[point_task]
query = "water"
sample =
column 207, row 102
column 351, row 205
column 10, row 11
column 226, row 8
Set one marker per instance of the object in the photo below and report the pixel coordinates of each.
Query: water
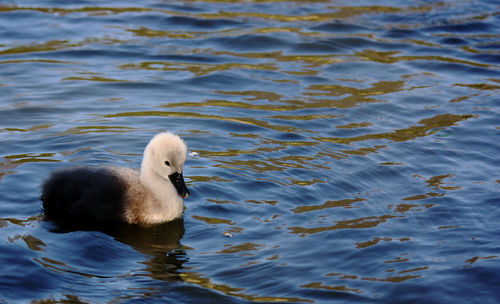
column 340, row 151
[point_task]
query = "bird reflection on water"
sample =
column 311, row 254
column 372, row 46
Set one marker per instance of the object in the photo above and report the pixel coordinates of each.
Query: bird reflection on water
column 160, row 243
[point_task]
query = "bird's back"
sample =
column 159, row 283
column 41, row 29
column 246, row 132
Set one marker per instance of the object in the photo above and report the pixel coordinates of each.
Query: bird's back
column 84, row 194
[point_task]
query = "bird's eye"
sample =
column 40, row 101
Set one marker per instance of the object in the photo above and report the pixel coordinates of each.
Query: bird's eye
column 167, row 163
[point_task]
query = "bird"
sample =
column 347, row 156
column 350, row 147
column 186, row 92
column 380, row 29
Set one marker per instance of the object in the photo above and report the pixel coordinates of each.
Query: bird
column 97, row 194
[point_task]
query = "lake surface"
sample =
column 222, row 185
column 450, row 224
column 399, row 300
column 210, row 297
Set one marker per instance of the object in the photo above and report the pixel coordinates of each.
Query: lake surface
column 339, row 151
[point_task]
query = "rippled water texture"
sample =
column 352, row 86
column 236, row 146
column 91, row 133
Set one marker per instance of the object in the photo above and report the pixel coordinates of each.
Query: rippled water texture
column 339, row 151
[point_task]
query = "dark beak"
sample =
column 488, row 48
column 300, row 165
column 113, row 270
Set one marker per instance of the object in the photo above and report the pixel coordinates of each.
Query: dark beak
column 178, row 180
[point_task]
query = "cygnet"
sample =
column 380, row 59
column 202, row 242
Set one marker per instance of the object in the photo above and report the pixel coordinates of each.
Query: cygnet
column 106, row 193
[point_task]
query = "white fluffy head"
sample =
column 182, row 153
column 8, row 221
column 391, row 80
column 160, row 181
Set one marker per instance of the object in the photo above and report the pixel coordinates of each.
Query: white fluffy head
column 165, row 154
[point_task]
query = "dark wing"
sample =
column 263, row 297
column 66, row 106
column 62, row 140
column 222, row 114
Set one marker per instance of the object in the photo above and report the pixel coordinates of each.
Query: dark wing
column 84, row 194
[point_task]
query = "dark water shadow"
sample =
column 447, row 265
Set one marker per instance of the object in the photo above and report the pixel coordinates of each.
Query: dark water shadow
column 160, row 243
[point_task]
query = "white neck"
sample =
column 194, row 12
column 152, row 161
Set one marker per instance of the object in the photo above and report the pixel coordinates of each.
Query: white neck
column 164, row 204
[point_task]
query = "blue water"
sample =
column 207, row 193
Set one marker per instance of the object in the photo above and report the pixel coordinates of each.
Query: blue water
column 339, row 151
